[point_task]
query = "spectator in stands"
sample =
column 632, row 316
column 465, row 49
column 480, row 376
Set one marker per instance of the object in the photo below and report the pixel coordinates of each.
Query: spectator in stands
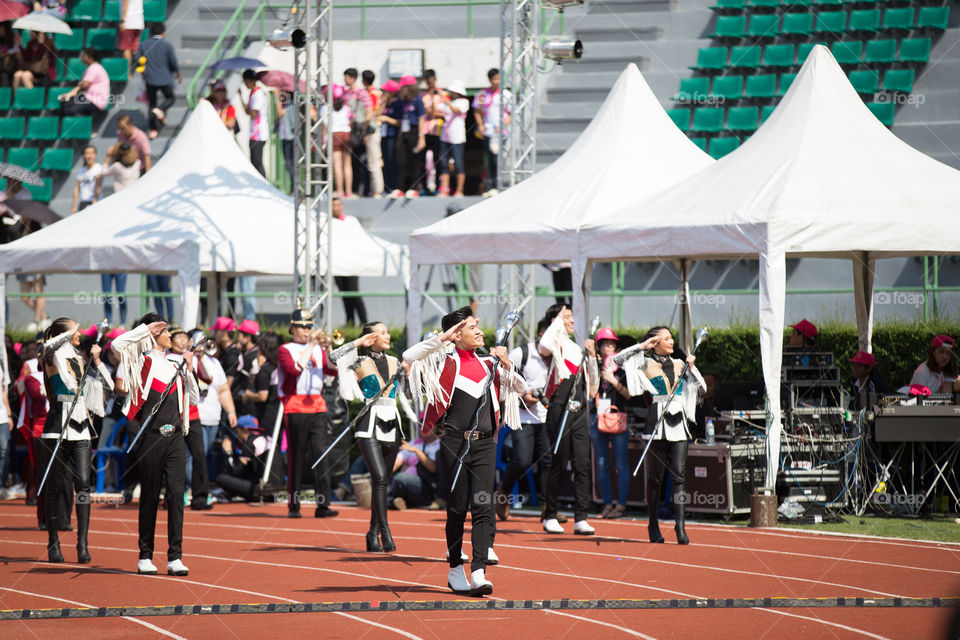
column 131, row 24
column 340, row 128
column 37, row 62
column 226, row 111
column 123, row 165
column 361, row 106
column 90, row 96
column 53, row 7
column 486, row 113
column 353, row 306
column 453, row 138
column 372, row 140
column 127, row 133
column 939, row 372
column 158, row 73
column 287, row 129
column 431, row 125
column 85, row 187
column 410, row 140
column 256, row 108
column 414, row 481
column 804, row 335
column 388, row 135
column 9, row 53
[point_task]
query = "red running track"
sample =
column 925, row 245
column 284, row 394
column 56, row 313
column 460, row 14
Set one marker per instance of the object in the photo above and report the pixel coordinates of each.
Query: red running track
column 246, row 554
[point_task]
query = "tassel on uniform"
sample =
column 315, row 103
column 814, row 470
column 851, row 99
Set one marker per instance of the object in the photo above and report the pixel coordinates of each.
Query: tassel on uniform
column 345, row 358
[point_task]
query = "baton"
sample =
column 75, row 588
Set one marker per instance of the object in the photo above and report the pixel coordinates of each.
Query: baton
column 197, row 339
column 510, row 320
column 573, row 405
column 701, row 336
column 273, row 446
column 101, row 329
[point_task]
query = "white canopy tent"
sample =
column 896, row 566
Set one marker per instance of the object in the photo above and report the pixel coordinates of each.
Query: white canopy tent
column 202, row 208
column 821, row 178
column 630, row 149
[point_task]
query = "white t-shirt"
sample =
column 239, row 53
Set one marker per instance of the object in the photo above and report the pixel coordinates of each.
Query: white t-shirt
column 341, row 119
column 123, row 176
column 258, row 125
column 454, row 124
column 488, row 102
column 933, row 381
column 134, row 17
column 535, row 373
column 87, row 179
column 209, row 407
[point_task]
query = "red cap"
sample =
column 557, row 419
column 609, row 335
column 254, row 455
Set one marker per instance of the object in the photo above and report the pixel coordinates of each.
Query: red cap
column 606, row 334
column 16, row 347
column 116, row 332
column 806, row 329
column 862, row 357
column 942, row 341
column 223, row 324
column 391, row 85
column 89, row 331
column 249, row 326
column 919, row 390
column 407, row 80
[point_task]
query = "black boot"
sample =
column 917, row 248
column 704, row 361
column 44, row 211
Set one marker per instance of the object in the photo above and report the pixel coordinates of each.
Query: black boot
column 53, row 541
column 83, row 526
column 386, row 539
column 653, row 502
column 373, row 541
column 679, row 509
column 378, row 516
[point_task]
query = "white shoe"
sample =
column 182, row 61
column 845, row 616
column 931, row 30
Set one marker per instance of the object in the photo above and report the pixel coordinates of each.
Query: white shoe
column 457, row 580
column 411, row 193
column 32, row 327
column 552, row 526
column 489, row 193
column 583, row 528
column 479, row 585
column 177, row 568
column 463, row 556
column 146, row 567
column 492, row 557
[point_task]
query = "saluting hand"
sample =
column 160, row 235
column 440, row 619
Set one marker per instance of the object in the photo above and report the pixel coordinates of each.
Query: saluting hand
column 156, row 328
column 453, row 333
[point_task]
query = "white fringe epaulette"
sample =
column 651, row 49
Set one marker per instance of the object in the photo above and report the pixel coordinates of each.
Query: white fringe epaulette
column 426, row 361
column 63, row 352
column 344, row 359
column 633, row 361
column 130, row 349
column 511, row 397
column 553, row 340
column 93, row 390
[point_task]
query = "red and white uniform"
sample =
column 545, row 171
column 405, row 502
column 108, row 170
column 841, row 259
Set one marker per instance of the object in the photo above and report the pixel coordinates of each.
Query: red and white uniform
column 300, row 371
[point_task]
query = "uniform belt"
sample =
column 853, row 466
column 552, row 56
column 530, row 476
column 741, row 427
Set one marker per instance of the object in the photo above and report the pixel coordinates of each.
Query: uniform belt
column 477, row 435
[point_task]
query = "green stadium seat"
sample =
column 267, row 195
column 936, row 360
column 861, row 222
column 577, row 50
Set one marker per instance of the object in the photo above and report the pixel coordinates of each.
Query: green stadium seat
column 27, row 157
column 915, row 50
column 778, row 55
column 11, row 128
column 53, row 102
column 102, row 39
column 730, row 6
column 769, row 5
column 747, row 57
column 681, row 118
column 849, row 52
column 77, row 127
column 29, row 99
column 693, row 90
column 86, row 11
column 112, row 11
column 828, row 3
column 6, row 94
column 796, row 24
column 711, row 59
column 727, row 88
column 700, row 142
column 117, row 68
column 708, row 119
column 730, row 27
column 880, row 51
column 41, row 194
column 898, row 19
column 742, row 118
column 933, row 18
column 865, row 82
column 73, row 70
column 720, row 147
column 763, row 25
column 786, row 79
column 43, row 128
column 761, row 86
column 74, row 42
column 900, row 80
column 865, row 20
column 831, row 23
column 154, row 10
column 57, row 159
column 883, row 111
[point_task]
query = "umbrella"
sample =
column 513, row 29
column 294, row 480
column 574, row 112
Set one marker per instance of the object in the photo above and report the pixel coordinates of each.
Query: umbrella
column 43, row 21
column 20, row 174
column 235, row 64
column 11, row 10
column 280, row 79
column 32, row 210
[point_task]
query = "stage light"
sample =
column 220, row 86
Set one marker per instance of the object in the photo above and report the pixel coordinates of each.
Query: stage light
column 283, row 38
column 559, row 4
column 560, row 50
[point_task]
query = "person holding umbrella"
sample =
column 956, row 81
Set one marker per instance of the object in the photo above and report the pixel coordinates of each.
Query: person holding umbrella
column 226, row 111
column 37, row 61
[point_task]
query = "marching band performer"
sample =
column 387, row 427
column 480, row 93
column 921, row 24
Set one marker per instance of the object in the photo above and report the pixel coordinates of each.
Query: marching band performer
column 63, row 373
column 160, row 452
column 378, row 432
column 453, row 384
column 651, row 367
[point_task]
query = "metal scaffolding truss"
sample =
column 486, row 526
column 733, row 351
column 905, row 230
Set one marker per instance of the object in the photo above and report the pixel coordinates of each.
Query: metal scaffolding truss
column 313, row 244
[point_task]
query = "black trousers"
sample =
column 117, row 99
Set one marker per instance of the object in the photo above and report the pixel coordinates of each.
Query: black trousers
column 530, row 445
column 256, row 155
column 237, row 486
column 79, row 105
column 69, row 472
column 168, row 99
column 433, row 144
column 474, row 489
column 379, row 457
column 409, row 175
column 289, row 162
column 575, row 446
column 672, row 457
column 158, row 458
column 353, row 306
column 305, row 429
column 199, row 482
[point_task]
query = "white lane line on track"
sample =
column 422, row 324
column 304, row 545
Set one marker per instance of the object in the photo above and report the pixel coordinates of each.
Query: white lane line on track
column 80, row 604
column 377, row 624
column 631, row 632
column 826, row 622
